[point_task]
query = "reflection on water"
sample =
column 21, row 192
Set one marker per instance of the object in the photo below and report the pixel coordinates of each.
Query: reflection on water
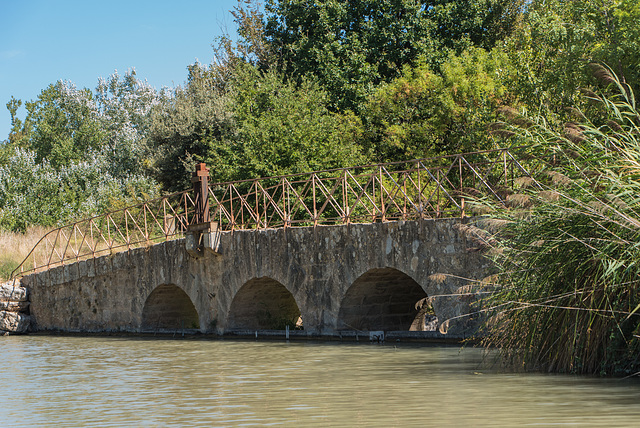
column 96, row 381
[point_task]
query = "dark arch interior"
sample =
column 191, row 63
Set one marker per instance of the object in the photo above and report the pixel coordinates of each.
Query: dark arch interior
column 169, row 308
column 264, row 304
column 386, row 299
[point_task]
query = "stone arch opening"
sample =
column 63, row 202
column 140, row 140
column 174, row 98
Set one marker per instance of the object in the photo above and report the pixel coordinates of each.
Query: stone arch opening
column 386, row 299
column 264, row 304
column 168, row 307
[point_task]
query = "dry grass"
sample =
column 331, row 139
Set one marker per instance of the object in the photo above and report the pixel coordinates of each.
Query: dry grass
column 14, row 247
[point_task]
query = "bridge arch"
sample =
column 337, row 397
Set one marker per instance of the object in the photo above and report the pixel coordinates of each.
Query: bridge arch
column 386, row 299
column 169, row 308
column 263, row 304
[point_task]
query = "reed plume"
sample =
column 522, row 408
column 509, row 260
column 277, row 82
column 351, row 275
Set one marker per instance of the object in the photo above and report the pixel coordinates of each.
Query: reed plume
column 568, row 299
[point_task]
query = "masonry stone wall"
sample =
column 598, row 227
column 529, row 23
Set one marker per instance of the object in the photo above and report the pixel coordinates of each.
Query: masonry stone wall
column 317, row 266
column 14, row 308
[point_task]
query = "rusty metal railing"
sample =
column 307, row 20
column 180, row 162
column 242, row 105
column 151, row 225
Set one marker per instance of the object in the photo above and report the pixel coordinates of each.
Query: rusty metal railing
column 421, row 188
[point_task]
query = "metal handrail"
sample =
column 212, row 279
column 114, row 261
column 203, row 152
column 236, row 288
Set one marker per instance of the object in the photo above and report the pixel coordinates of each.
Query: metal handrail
column 421, row 188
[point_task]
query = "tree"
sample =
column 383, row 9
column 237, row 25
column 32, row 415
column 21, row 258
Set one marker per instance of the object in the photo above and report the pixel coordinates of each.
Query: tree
column 285, row 128
column 250, row 46
column 33, row 192
column 30, row 193
column 77, row 153
column 555, row 42
column 15, row 134
column 258, row 125
column 62, row 125
column 193, row 121
column 423, row 113
column 124, row 106
column 352, row 46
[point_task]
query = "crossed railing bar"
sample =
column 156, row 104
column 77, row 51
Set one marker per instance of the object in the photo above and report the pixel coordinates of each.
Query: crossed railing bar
column 422, row 188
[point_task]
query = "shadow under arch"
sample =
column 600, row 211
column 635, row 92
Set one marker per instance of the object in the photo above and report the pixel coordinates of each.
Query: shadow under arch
column 386, row 299
column 263, row 304
column 168, row 307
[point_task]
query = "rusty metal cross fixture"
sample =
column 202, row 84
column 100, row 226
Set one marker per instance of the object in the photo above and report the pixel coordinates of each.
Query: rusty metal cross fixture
column 417, row 189
column 202, row 233
column 200, row 180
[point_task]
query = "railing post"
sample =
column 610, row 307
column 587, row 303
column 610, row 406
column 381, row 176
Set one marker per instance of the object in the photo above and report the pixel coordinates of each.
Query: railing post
column 404, row 197
column 382, row 206
column 200, row 180
column 419, row 190
column 506, row 173
column 315, row 207
column 345, row 199
column 438, row 193
column 202, row 233
column 285, row 215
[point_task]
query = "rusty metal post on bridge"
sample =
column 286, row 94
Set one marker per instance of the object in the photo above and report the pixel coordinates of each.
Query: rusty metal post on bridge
column 202, row 233
column 200, row 180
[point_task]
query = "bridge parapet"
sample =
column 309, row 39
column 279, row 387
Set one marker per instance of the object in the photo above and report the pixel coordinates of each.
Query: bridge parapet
column 418, row 189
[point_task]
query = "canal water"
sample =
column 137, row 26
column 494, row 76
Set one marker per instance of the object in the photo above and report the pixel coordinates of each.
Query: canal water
column 116, row 382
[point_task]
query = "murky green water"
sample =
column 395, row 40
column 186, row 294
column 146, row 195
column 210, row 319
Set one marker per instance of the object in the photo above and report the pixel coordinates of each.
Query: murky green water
column 73, row 381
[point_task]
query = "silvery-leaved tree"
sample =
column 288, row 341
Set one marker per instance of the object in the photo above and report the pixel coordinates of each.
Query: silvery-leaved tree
column 93, row 145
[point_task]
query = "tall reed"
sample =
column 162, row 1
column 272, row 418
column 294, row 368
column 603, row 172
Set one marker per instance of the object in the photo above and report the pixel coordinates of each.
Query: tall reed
column 568, row 252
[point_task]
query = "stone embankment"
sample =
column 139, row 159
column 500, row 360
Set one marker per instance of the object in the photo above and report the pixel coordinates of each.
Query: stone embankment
column 14, row 308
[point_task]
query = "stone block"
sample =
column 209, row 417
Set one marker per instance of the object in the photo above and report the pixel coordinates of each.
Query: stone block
column 211, row 242
column 14, row 322
column 67, row 274
column 12, row 292
column 91, row 268
column 82, row 268
column 56, row 275
column 103, row 265
column 13, row 306
column 192, row 245
column 119, row 260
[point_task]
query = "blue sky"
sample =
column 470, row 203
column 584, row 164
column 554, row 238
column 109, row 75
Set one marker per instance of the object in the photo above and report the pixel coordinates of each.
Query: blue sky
column 42, row 42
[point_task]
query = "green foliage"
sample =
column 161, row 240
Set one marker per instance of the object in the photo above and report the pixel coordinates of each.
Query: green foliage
column 125, row 106
column 188, row 126
column 353, row 46
column 30, row 193
column 423, row 113
column 569, row 297
column 36, row 193
column 62, row 125
column 258, row 125
column 283, row 128
column 556, row 40
column 250, row 46
column 7, row 267
column 76, row 154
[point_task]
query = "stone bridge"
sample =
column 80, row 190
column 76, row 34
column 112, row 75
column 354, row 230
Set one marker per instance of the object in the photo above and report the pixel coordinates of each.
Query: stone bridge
column 327, row 280
column 339, row 252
